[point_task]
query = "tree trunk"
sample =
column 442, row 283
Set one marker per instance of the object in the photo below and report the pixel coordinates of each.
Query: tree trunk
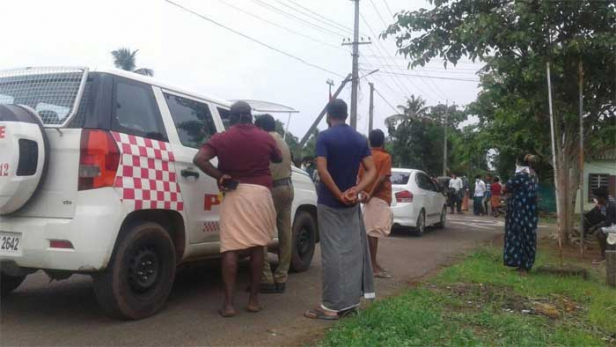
column 568, row 174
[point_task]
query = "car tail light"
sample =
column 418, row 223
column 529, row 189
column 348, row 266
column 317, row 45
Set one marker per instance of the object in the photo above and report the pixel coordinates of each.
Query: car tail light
column 404, row 196
column 98, row 159
column 61, row 244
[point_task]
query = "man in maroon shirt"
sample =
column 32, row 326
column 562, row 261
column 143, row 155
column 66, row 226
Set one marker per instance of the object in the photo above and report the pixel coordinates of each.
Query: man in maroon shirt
column 247, row 214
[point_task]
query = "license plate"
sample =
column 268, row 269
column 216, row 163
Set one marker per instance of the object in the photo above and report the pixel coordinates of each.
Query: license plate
column 10, row 243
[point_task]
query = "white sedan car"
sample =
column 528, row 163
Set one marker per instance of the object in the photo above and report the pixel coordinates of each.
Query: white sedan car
column 417, row 201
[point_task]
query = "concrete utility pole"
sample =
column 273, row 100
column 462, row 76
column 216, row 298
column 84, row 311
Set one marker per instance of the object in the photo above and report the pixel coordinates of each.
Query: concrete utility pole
column 445, row 139
column 371, row 110
column 314, row 125
column 355, row 72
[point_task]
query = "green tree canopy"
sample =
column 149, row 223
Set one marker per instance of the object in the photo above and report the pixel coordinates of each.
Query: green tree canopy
column 516, row 39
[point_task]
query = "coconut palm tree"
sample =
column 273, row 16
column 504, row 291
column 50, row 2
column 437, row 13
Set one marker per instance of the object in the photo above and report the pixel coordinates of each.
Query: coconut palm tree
column 415, row 108
column 125, row 59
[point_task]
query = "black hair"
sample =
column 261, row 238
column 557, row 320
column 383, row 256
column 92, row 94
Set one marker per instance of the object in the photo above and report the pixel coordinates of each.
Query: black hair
column 601, row 192
column 478, row 176
column 241, row 113
column 377, row 138
column 526, row 160
column 266, row 122
column 337, row 109
column 496, row 179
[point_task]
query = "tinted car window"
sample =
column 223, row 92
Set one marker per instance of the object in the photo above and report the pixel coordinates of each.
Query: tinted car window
column 224, row 115
column 192, row 119
column 400, row 177
column 135, row 111
column 424, row 182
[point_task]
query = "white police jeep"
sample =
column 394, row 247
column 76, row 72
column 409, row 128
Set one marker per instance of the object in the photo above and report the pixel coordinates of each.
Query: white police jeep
column 96, row 177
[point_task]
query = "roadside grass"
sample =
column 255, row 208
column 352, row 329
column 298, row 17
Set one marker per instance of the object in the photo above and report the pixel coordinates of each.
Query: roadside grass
column 479, row 302
column 548, row 220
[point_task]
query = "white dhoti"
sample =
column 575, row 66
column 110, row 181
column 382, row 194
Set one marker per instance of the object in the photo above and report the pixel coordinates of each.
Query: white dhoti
column 247, row 218
column 377, row 218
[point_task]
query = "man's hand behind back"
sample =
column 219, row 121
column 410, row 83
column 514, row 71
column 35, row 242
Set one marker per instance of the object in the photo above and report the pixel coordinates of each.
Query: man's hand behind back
column 349, row 197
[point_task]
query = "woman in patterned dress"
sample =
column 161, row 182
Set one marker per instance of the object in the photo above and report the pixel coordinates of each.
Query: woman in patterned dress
column 521, row 224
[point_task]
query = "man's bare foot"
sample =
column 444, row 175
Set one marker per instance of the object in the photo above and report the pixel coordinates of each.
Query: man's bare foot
column 227, row 312
column 254, row 307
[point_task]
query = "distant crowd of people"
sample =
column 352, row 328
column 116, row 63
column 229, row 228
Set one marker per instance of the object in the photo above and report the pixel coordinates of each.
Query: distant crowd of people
column 254, row 173
column 487, row 195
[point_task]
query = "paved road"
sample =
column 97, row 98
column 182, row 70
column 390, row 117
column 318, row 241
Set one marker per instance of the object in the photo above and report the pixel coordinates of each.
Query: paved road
column 66, row 312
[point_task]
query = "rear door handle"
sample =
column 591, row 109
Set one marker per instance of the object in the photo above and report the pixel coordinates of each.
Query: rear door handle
column 186, row 173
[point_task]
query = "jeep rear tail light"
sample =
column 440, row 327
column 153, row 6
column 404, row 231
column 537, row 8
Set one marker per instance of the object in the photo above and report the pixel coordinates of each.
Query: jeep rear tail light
column 65, row 244
column 404, row 196
column 98, row 160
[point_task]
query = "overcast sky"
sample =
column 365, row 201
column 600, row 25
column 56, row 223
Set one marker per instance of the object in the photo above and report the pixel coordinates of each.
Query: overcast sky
column 192, row 53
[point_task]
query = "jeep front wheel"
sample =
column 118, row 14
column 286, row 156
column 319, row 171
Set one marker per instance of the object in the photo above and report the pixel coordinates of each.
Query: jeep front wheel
column 140, row 274
column 304, row 241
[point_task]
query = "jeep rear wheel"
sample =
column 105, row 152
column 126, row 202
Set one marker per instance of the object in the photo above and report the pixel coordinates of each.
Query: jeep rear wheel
column 140, row 274
column 304, row 241
column 9, row 283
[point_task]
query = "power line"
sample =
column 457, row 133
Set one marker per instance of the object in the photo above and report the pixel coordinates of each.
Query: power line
column 303, row 11
column 459, row 64
column 255, row 40
column 287, row 14
column 427, row 76
column 281, row 26
column 387, row 102
column 379, row 46
column 316, row 14
column 382, row 60
column 435, row 92
column 383, row 81
column 378, row 13
column 430, row 84
column 388, row 8
column 432, row 70
column 321, row 16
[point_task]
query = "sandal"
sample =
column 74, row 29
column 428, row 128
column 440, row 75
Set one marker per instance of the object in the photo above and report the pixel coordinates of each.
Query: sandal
column 383, row 274
column 319, row 314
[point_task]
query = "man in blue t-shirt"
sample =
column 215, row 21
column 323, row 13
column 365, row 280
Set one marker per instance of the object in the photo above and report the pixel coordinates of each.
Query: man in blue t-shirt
column 347, row 271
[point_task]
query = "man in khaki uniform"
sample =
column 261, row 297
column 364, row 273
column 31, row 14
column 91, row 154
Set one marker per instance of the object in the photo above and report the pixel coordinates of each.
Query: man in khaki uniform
column 275, row 282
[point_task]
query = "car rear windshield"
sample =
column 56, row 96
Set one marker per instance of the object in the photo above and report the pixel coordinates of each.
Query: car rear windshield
column 401, row 178
column 52, row 92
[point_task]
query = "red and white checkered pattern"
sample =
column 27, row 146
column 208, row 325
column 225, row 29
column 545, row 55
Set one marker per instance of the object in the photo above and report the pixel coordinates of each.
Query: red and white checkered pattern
column 146, row 176
column 211, row 227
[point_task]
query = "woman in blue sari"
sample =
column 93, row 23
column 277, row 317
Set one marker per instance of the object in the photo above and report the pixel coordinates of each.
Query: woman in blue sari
column 521, row 223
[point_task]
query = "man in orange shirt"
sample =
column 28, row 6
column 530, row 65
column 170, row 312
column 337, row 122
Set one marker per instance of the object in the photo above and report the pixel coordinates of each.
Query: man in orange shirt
column 378, row 218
